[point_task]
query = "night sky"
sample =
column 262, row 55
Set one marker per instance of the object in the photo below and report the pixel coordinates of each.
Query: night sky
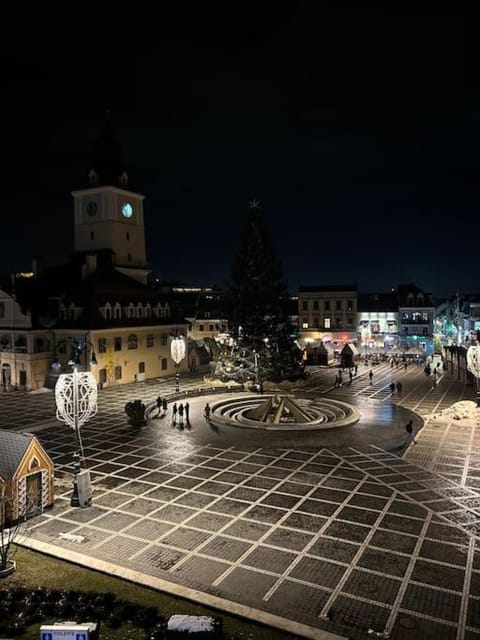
column 358, row 132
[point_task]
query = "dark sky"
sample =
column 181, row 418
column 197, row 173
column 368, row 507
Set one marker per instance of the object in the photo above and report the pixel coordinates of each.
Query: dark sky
column 358, row 132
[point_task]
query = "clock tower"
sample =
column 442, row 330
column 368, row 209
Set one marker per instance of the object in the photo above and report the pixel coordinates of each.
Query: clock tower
column 108, row 214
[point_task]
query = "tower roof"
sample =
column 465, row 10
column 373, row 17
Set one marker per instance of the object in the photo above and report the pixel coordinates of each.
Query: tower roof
column 108, row 167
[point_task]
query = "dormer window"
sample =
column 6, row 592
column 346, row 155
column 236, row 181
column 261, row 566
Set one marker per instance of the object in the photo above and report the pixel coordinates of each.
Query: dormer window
column 123, row 179
column 139, row 311
column 148, row 311
column 117, row 311
column 108, row 311
column 131, row 310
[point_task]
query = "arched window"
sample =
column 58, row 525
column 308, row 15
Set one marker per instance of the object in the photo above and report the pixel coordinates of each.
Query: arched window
column 131, row 310
column 108, row 311
column 117, row 311
column 419, row 298
column 410, row 299
column 132, row 341
column 139, row 311
column 148, row 310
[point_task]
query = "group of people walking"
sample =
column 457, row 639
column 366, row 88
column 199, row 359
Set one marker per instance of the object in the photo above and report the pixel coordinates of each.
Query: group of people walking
column 180, row 412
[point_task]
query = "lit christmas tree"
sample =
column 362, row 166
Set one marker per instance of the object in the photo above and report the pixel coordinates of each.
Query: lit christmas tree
column 263, row 341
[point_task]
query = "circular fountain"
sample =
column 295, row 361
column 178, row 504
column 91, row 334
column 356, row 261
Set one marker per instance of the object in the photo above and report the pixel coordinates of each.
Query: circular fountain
column 282, row 412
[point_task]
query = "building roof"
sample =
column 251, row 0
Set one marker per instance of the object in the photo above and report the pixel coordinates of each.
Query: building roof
column 13, row 446
column 371, row 302
column 328, row 288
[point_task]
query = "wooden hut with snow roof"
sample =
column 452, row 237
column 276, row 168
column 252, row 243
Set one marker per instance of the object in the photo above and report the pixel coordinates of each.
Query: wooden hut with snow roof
column 26, row 476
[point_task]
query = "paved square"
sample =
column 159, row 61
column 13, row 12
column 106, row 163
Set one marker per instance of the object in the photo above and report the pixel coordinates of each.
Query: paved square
column 350, row 539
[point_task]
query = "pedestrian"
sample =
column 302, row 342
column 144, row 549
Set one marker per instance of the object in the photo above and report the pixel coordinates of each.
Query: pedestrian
column 164, row 407
column 187, row 414
column 399, row 388
column 180, row 415
column 409, row 430
column 370, row 375
column 206, row 412
column 159, row 406
column 392, row 387
column 356, row 369
column 174, row 413
column 350, row 375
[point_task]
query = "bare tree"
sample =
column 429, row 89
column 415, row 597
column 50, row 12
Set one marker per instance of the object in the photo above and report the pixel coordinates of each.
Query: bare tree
column 11, row 531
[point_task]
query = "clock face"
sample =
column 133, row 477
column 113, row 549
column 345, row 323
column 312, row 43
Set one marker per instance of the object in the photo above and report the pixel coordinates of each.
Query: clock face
column 127, row 210
column 92, row 208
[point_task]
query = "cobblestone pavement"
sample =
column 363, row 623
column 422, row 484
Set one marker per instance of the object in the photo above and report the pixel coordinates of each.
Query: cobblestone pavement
column 327, row 530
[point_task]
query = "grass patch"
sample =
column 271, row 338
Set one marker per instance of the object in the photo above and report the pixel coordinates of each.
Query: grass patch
column 35, row 570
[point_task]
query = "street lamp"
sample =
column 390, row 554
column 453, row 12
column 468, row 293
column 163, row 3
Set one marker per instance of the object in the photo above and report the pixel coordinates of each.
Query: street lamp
column 177, row 352
column 473, row 365
column 76, row 402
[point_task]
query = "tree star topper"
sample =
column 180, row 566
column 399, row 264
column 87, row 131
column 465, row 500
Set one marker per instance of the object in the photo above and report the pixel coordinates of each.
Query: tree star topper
column 254, row 204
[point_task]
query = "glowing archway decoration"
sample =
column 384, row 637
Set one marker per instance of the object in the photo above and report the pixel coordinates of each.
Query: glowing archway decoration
column 76, row 398
column 177, row 349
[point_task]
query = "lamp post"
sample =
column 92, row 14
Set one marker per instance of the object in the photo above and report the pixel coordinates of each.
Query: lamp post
column 473, row 365
column 177, row 352
column 76, row 402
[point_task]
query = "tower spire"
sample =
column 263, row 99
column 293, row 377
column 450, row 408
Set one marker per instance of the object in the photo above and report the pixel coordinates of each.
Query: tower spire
column 108, row 167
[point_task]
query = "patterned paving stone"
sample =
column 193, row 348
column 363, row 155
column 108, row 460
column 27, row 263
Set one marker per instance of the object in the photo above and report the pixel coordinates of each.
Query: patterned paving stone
column 225, row 506
column 438, row 575
column 390, row 540
column 331, row 549
column 269, row 559
column 251, row 584
column 120, row 547
column 431, row 602
column 288, row 539
column 444, row 552
column 247, row 529
column 209, row 521
column 300, row 601
column 359, row 615
column 148, row 529
column 188, row 539
column 225, row 548
column 114, row 521
column 208, row 568
column 347, row 531
column 371, row 586
column 384, row 562
column 318, row 572
column 173, row 513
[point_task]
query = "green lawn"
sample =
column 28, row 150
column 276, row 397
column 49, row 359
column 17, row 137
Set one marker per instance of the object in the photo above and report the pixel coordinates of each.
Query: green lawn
column 37, row 570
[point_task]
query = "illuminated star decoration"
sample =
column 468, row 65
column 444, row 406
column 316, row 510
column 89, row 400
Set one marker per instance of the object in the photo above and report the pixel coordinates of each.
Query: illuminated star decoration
column 254, row 204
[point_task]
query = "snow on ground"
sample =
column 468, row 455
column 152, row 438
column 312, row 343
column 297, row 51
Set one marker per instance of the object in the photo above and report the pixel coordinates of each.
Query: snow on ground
column 464, row 412
column 191, row 624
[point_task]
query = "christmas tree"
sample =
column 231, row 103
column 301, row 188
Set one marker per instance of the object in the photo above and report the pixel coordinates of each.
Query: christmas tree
column 262, row 343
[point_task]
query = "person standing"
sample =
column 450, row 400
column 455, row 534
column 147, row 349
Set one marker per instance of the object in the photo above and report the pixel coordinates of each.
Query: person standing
column 206, row 412
column 392, row 387
column 159, row 406
column 164, row 407
column 409, row 430
column 187, row 414
column 180, row 415
column 399, row 388
column 174, row 413
column 370, row 375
